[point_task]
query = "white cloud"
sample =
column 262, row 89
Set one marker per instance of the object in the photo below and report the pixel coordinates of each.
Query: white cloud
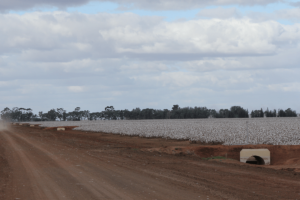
column 203, row 37
column 64, row 37
column 130, row 61
column 289, row 15
column 286, row 87
column 221, row 13
column 128, row 4
column 61, row 37
column 76, row 88
column 297, row 4
column 187, row 4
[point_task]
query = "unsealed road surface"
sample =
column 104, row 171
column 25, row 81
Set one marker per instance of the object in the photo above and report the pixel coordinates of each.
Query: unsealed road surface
column 39, row 165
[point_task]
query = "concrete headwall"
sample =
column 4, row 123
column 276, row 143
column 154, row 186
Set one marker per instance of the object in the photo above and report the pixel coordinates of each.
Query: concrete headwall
column 265, row 154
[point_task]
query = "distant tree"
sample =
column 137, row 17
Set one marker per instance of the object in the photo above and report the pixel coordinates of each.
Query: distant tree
column 175, row 107
column 25, row 114
column 121, row 114
column 175, row 114
column 85, row 114
column 109, row 113
column 213, row 113
column 239, row 112
column 16, row 114
column 135, row 113
column 127, row 114
column 109, row 108
column 41, row 115
column 290, row 113
column 267, row 112
column 65, row 116
column 261, row 113
column 270, row 113
column 281, row 113
column 76, row 114
column 255, row 113
column 225, row 113
column 60, row 113
column 51, row 115
column 166, row 114
column 147, row 113
column 6, row 114
column 35, row 118
column 287, row 113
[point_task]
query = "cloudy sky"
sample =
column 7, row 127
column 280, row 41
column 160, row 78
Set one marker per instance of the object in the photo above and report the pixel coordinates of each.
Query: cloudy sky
column 149, row 54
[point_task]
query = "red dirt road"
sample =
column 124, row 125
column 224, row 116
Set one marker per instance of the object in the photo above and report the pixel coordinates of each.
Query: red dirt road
column 40, row 164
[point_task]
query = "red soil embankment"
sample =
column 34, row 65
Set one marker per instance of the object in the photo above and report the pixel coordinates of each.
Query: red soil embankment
column 287, row 155
column 280, row 154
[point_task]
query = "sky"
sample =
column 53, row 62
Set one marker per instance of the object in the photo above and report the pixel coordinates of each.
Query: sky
column 149, row 54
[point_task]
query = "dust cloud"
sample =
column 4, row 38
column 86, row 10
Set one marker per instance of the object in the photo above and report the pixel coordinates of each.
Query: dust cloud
column 4, row 126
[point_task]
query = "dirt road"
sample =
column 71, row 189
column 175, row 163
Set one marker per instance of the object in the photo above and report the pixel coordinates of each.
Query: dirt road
column 38, row 165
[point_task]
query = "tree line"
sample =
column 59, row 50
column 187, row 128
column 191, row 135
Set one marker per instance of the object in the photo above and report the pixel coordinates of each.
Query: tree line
column 273, row 113
column 109, row 113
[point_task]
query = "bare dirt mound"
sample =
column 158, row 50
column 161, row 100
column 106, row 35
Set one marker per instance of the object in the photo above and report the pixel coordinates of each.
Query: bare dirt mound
column 294, row 161
column 289, row 165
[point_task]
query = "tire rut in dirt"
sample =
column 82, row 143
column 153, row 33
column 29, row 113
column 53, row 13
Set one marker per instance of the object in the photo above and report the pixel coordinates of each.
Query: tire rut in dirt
column 4, row 169
column 46, row 177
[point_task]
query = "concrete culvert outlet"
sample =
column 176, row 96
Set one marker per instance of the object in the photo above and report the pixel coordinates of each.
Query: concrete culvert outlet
column 255, row 156
column 256, row 160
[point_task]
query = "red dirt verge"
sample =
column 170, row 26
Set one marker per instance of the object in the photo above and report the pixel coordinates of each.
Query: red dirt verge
column 40, row 164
